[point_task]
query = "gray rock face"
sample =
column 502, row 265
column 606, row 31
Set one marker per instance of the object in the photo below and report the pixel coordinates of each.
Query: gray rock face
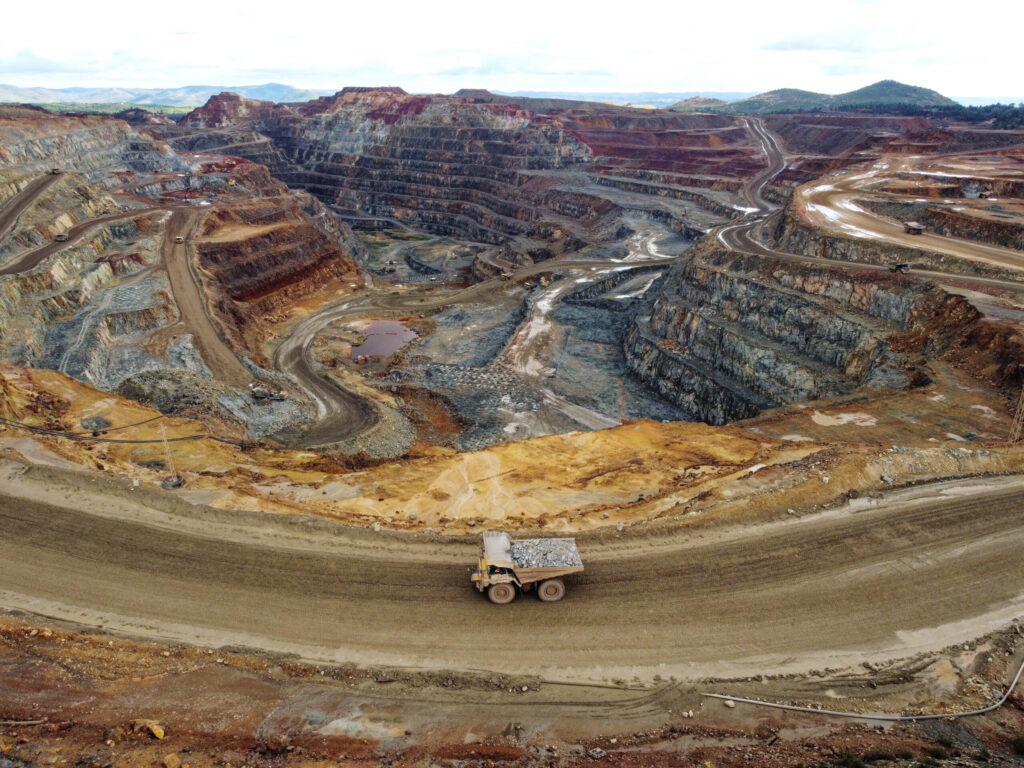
column 545, row 553
column 455, row 175
column 91, row 145
column 729, row 336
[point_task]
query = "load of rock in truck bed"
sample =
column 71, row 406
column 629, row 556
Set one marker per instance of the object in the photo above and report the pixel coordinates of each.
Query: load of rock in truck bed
column 545, row 553
column 526, row 563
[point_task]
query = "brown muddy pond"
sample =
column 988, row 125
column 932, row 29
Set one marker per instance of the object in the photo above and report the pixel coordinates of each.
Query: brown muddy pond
column 383, row 337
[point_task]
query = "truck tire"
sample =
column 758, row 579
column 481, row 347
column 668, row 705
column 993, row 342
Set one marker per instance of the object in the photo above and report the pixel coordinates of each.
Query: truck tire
column 501, row 594
column 551, row 591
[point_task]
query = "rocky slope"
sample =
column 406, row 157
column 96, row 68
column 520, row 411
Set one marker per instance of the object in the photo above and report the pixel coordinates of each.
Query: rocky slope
column 265, row 253
column 95, row 146
column 69, row 313
column 542, row 178
column 102, row 308
column 729, row 336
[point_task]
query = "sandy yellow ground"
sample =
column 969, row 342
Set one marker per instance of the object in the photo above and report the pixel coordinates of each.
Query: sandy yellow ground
column 644, row 470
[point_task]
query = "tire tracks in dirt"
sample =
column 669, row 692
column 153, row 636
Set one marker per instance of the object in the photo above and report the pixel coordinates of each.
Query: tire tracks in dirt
column 902, row 578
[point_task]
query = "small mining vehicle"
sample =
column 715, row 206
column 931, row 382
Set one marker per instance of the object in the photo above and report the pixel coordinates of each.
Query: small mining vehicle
column 525, row 563
column 263, row 392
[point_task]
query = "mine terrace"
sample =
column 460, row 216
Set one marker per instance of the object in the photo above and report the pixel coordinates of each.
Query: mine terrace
column 267, row 372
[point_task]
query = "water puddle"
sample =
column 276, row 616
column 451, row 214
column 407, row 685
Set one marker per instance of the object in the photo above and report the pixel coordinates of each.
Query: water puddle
column 383, row 337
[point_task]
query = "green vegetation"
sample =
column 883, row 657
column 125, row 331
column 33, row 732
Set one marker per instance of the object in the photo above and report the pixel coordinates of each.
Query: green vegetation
column 878, row 756
column 891, row 92
column 112, row 109
column 998, row 115
column 781, row 100
column 698, row 104
column 884, row 96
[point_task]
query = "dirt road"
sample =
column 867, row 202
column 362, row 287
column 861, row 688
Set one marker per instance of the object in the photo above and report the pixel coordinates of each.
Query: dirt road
column 835, row 206
column 927, row 568
column 18, row 204
column 188, row 295
column 832, row 204
column 776, row 163
column 342, row 414
column 28, row 260
column 339, row 413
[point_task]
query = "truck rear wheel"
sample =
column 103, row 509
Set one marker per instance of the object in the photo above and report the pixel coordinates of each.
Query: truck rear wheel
column 551, row 590
column 501, row 593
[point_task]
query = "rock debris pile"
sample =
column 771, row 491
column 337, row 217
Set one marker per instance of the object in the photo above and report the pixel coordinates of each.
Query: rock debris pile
column 546, row 553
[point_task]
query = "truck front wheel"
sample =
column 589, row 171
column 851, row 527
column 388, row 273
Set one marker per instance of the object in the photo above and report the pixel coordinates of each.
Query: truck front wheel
column 551, row 590
column 501, row 593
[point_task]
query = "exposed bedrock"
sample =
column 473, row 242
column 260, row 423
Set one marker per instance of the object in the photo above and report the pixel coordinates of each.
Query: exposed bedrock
column 95, row 310
column 729, row 336
column 987, row 226
column 92, row 145
column 792, row 234
column 265, row 252
column 542, row 181
column 67, row 202
column 461, row 172
column 839, row 135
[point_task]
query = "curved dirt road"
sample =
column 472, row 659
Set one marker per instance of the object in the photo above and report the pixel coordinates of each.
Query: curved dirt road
column 924, row 569
column 832, row 205
column 342, row 414
column 23, row 262
column 22, row 201
column 837, row 199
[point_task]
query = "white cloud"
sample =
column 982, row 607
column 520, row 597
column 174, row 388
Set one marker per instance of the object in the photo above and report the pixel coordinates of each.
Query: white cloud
column 528, row 45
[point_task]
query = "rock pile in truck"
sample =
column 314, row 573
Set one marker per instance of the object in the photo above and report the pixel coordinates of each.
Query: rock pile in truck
column 545, row 553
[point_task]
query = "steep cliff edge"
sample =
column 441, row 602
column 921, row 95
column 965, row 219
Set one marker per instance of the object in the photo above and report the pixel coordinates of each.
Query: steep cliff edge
column 265, row 253
column 729, row 336
column 93, row 145
column 537, row 178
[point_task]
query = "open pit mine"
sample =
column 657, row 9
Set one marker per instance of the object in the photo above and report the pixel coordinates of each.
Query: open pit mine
column 269, row 371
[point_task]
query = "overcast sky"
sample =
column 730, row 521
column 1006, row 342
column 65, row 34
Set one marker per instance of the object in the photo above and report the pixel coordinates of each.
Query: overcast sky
column 959, row 49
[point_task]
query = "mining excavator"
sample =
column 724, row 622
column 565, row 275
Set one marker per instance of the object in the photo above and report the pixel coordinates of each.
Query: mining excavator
column 525, row 563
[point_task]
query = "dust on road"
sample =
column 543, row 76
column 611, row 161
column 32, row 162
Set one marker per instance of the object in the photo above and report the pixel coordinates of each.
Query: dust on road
column 887, row 581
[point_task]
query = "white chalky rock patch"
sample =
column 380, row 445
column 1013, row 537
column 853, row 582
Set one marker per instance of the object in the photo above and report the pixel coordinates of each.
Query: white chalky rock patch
column 842, row 419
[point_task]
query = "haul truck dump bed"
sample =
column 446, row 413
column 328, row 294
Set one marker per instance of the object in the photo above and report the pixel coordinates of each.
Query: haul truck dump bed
column 506, row 564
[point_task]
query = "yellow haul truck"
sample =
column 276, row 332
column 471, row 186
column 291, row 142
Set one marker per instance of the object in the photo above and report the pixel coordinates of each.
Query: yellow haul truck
column 506, row 564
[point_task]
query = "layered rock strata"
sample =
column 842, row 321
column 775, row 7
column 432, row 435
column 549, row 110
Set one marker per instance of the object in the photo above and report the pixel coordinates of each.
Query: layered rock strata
column 729, row 336
column 93, row 145
column 536, row 175
column 264, row 253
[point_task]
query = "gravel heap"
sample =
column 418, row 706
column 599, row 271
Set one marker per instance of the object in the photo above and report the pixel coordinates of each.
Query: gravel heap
column 546, row 553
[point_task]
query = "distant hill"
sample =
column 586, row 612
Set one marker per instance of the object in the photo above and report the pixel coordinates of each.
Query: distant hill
column 185, row 96
column 781, row 100
column 886, row 93
column 697, row 104
column 638, row 98
column 118, row 109
column 891, row 92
